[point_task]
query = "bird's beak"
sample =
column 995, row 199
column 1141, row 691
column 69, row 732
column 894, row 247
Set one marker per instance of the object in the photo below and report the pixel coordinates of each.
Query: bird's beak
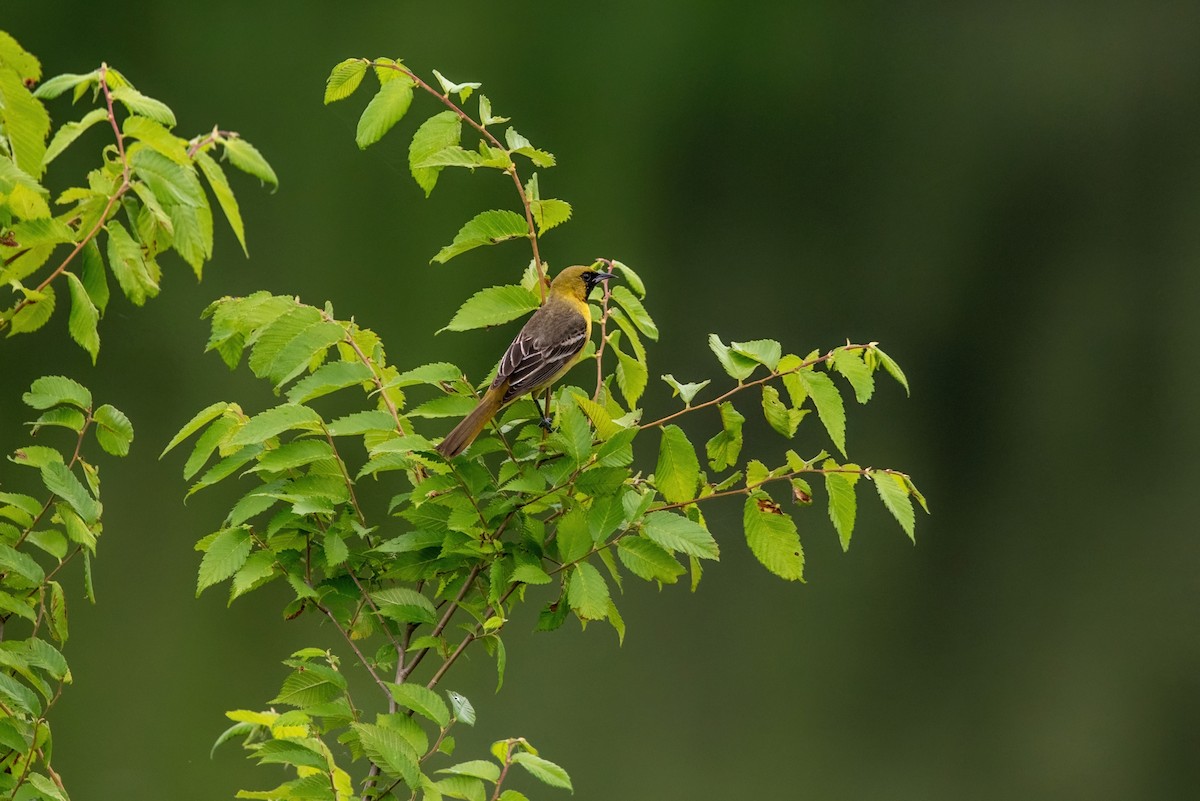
column 604, row 276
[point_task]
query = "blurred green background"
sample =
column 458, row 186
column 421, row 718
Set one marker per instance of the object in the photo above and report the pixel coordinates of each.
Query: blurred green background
column 1007, row 197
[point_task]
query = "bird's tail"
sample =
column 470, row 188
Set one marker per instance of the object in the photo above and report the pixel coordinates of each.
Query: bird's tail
column 465, row 432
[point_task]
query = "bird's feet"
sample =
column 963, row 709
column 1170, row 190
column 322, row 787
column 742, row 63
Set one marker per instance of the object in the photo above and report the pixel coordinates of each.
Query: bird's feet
column 546, row 425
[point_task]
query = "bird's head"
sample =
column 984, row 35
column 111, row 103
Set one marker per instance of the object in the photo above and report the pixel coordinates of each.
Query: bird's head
column 578, row 282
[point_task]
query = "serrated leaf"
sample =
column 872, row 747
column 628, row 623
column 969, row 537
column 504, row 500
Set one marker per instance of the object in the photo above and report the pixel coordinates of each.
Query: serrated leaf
column 128, row 265
column 736, row 365
column 893, row 369
column 445, row 406
column 275, row 421
column 464, row 712
column 315, row 684
column 93, row 275
column 843, row 504
column 84, row 317
column 114, row 432
column 344, row 79
column 549, row 213
column 678, row 471
column 893, row 491
column 246, row 158
column 219, row 183
column 226, row 554
column 766, row 352
column 138, row 103
column 648, row 560
column 404, row 605
column 155, row 136
column 778, row 415
column 328, row 378
column 574, row 537
column 38, row 308
column 543, row 770
column 636, row 311
column 21, row 564
column 724, row 448
column 26, row 123
column 51, row 390
column 439, row 132
column 850, row 364
column 387, row 107
column 828, row 401
column 685, row 391
column 493, row 306
column 587, row 592
column 486, row 228
column 198, row 421
column 423, row 701
column 53, row 87
column 677, row 533
column 772, row 537
column 59, row 479
column 632, row 376
column 69, row 132
column 362, row 422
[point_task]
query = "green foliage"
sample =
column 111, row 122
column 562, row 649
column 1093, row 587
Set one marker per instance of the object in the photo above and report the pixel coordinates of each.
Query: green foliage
column 560, row 517
column 144, row 198
column 56, row 521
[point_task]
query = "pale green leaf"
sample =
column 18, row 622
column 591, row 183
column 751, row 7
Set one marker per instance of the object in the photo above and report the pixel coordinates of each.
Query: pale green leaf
column 677, row 474
column 587, row 592
column 724, row 448
column 677, row 533
column 735, row 364
column 850, row 364
column 543, row 770
column 486, row 228
column 636, row 311
column 829, row 405
column 685, row 391
column 201, row 419
column 328, row 378
column 648, row 560
column 114, row 432
column 272, row 422
column 772, row 537
column 493, row 306
column 51, row 390
column 224, row 194
column 70, row 131
column 25, row 121
column 36, row 312
column 84, row 317
column 138, row 103
column 423, row 701
column 441, row 131
column 226, row 554
column 246, row 158
column 344, row 79
column 842, row 503
column 386, row 108
column 893, row 491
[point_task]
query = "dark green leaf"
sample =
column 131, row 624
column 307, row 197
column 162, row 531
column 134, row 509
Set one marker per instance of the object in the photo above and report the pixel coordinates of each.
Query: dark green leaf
column 63, row 483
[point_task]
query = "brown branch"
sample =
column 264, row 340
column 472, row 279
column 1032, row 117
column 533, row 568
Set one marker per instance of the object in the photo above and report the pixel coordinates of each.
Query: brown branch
column 354, row 646
column 749, row 488
column 402, row 676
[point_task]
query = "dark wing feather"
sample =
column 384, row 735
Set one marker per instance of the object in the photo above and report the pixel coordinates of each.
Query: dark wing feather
column 540, row 353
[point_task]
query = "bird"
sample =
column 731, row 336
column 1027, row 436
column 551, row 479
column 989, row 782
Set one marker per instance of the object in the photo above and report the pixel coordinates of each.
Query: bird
column 547, row 346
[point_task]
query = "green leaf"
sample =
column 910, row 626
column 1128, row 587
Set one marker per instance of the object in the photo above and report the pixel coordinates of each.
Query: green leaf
column 258, row 569
column 35, row 313
column 84, row 317
column 519, row 144
column 201, row 419
column 772, row 537
column 439, row 132
column 467, row 788
column 128, row 264
column 893, row 369
column 736, row 365
column 677, row 533
column 272, row 422
column 685, row 391
column 69, row 132
column 386, row 108
column 464, row 712
column 636, row 311
column 22, row 564
column 158, row 138
column 478, row 768
column 344, row 79
column 25, row 121
column 58, row 612
column 138, row 103
column 631, row 278
column 405, row 605
column 549, row 213
column 52, row 88
column 543, row 770
column 225, row 556
column 246, row 158
column 94, row 279
column 829, row 405
column 51, row 390
column 724, row 448
column 587, row 592
column 449, row 87
column 632, row 376
column 19, row 697
column 646, row 559
column 780, row 417
column 678, row 472
column 493, row 306
column 62, row 482
column 842, row 503
column 224, row 194
column 362, row 422
column 114, row 432
column 893, row 491
column 766, row 352
column 850, row 364
column 423, row 701
column 486, row 228
column 328, row 378
column 574, row 536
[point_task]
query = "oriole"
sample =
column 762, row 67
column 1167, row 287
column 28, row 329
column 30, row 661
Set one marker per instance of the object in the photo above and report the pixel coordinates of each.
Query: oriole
column 548, row 345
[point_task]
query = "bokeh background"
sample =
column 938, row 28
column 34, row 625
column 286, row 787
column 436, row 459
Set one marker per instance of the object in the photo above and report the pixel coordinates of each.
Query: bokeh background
column 1007, row 196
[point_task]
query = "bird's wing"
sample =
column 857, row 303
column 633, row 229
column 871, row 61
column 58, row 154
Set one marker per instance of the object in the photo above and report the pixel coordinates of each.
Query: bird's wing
column 540, row 354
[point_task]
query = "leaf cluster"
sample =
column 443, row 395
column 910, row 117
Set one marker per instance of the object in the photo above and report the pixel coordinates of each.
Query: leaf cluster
column 39, row 534
column 144, row 199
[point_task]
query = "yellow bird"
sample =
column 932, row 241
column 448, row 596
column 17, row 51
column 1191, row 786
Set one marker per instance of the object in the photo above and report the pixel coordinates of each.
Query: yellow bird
column 548, row 346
